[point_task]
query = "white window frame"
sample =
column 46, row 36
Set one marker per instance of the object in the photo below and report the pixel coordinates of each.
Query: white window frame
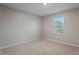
column 54, row 26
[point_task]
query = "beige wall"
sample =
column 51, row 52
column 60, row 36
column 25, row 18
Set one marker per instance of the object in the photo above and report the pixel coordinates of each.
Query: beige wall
column 17, row 26
column 71, row 27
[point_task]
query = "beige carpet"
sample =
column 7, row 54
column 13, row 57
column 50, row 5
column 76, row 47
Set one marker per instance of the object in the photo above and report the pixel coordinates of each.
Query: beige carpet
column 40, row 47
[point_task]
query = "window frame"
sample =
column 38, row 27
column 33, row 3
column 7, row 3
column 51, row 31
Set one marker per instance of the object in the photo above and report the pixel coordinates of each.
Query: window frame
column 54, row 26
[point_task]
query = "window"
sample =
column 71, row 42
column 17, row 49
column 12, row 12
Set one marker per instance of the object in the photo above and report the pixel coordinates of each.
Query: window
column 58, row 23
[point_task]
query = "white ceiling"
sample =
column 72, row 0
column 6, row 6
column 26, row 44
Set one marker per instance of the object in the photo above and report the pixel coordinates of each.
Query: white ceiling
column 40, row 9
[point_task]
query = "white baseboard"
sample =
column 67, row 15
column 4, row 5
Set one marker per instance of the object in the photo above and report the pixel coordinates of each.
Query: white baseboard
column 66, row 43
column 15, row 44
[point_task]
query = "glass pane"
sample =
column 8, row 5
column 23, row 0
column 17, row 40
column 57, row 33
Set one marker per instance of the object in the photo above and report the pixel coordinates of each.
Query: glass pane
column 58, row 24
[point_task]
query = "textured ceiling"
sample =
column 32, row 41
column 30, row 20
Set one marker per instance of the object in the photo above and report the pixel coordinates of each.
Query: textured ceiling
column 40, row 9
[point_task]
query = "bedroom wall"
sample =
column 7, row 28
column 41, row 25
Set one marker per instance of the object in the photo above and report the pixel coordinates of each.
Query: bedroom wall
column 71, row 27
column 17, row 26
